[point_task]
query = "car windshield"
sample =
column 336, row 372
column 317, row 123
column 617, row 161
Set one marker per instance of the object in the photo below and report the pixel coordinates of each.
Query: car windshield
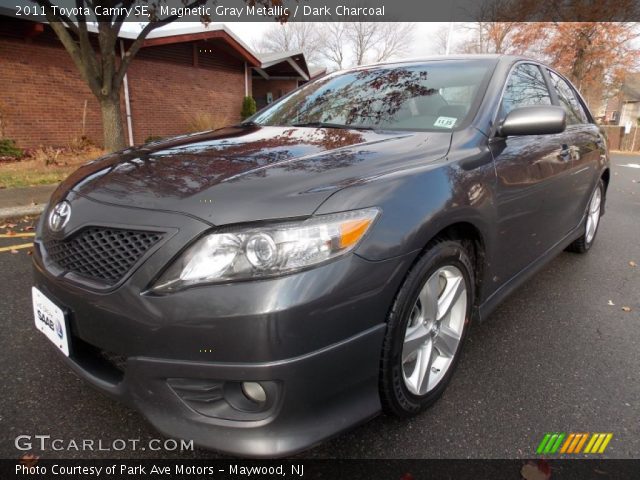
column 438, row 95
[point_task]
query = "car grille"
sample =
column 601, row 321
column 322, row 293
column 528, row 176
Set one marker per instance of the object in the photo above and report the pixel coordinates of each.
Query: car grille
column 101, row 254
column 119, row 362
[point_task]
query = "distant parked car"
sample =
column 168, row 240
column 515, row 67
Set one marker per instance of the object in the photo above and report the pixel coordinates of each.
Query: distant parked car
column 262, row 287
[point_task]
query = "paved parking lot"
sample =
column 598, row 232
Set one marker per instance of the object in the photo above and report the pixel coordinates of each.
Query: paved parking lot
column 555, row 357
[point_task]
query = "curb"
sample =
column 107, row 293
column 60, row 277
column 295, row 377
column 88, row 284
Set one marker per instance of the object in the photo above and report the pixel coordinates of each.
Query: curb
column 12, row 212
column 635, row 153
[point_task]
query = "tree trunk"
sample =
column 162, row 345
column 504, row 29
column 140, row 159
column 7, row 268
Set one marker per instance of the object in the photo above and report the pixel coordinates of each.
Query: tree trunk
column 112, row 123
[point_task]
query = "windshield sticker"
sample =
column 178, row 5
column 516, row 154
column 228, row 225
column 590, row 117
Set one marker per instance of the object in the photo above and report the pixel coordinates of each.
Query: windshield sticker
column 445, row 122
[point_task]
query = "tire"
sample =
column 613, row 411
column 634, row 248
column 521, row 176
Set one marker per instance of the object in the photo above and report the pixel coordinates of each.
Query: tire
column 438, row 273
column 583, row 244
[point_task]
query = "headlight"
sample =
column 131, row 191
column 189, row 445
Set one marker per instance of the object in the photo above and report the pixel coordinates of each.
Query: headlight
column 269, row 251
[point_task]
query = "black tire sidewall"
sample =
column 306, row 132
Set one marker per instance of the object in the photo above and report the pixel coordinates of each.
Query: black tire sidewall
column 398, row 398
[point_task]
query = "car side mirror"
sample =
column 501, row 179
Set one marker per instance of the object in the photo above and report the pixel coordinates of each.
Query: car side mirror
column 534, row 120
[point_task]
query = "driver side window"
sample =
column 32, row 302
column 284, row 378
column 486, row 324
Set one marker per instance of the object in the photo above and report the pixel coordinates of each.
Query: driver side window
column 526, row 87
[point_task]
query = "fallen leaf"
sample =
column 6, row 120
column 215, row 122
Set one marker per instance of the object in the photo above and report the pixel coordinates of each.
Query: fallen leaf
column 626, row 309
column 29, row 252
column 610, row 303
column 10, row 233
column 29, row 460
column 633, row 264
column 28, row 228
column 533, row 471
column 4, row 225
column 14, row 251
column 10, row 225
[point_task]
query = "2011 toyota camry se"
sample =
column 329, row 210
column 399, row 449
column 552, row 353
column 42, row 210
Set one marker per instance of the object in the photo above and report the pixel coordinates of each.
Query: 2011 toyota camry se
column 264, row 286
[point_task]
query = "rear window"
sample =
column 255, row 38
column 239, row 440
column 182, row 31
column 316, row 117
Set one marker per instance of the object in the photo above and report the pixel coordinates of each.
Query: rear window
column 440, row 95
column 569, row 100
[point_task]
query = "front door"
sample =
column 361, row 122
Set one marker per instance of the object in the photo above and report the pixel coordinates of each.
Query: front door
column 588, row 146
column 533, row 179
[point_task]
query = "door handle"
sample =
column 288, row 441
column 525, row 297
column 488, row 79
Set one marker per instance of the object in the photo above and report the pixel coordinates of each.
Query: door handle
column 565, row 153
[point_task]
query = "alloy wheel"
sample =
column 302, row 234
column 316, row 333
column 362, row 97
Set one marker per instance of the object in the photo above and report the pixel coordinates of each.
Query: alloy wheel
column 593, row 215
column 434, row 330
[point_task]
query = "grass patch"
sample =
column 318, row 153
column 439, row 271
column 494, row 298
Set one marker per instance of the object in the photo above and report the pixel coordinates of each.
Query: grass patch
column 45, row 166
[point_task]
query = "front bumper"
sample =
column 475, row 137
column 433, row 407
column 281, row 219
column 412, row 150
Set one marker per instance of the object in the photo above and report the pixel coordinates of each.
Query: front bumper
column 317, row 397
column 313, row 339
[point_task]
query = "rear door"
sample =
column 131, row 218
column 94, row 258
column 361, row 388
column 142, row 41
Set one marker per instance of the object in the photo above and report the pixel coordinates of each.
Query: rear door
column 587, row 144
column 532, row 178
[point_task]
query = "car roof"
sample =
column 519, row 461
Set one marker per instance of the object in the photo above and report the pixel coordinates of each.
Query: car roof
column 489, row 57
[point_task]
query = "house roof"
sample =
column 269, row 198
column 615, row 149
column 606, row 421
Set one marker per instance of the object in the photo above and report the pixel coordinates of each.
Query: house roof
column 631, row 88
column 198, row 32
column 284, row 64
column 272, row 58
column 613, row 104
column 279, row 64
column 291, row 63
column 316, row 72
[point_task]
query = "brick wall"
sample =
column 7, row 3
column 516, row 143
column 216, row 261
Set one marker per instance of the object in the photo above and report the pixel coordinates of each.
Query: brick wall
column 618, row 140
column 166, row 95
column 614, row 135
column 277, row 87
column 42, row 96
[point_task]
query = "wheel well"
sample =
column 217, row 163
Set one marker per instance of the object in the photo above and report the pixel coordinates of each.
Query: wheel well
column 473, row 241
column 606, row 176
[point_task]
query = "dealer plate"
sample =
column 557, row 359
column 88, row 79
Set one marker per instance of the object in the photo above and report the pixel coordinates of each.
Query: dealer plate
column 50, row 320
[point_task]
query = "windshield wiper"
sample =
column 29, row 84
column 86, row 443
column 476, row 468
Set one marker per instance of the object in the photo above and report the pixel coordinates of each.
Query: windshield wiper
column 331, row 125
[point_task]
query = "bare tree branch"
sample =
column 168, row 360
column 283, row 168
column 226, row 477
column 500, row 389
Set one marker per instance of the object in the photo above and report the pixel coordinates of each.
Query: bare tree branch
column 334, row 43
column 58, row 17
column 62, row 30
column 291, row 36
column 394, row 40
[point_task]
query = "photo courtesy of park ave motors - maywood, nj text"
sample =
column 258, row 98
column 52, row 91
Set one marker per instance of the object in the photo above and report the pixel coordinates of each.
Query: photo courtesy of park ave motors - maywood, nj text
column 317, row 234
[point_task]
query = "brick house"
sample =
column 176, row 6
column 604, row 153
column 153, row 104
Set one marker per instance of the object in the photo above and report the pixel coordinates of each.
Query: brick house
column 177, row 76
column 621, row 116
column 280, row 73
column 624, row 108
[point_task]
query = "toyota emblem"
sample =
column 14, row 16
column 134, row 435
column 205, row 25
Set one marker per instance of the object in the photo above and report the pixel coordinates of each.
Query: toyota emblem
column 59, row 216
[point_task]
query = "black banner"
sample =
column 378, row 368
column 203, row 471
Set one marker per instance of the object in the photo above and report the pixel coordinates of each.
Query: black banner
column 325, row 10
column 322, row 469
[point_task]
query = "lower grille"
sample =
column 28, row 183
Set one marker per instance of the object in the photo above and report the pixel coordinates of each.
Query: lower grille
column 118, row 361
column 107, row 366
column 102, row 254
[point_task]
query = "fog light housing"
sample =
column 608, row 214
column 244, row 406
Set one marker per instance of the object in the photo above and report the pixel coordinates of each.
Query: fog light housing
column 254, row 392
column 227, row 399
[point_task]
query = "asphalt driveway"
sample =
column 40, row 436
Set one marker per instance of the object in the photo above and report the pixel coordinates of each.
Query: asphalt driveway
column 561, row 355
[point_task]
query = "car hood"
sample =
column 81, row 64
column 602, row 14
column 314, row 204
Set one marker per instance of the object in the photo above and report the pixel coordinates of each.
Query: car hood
column 242, row 174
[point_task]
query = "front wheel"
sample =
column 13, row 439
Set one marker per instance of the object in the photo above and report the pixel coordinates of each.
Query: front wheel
column 594, row 212
column 426, row 327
